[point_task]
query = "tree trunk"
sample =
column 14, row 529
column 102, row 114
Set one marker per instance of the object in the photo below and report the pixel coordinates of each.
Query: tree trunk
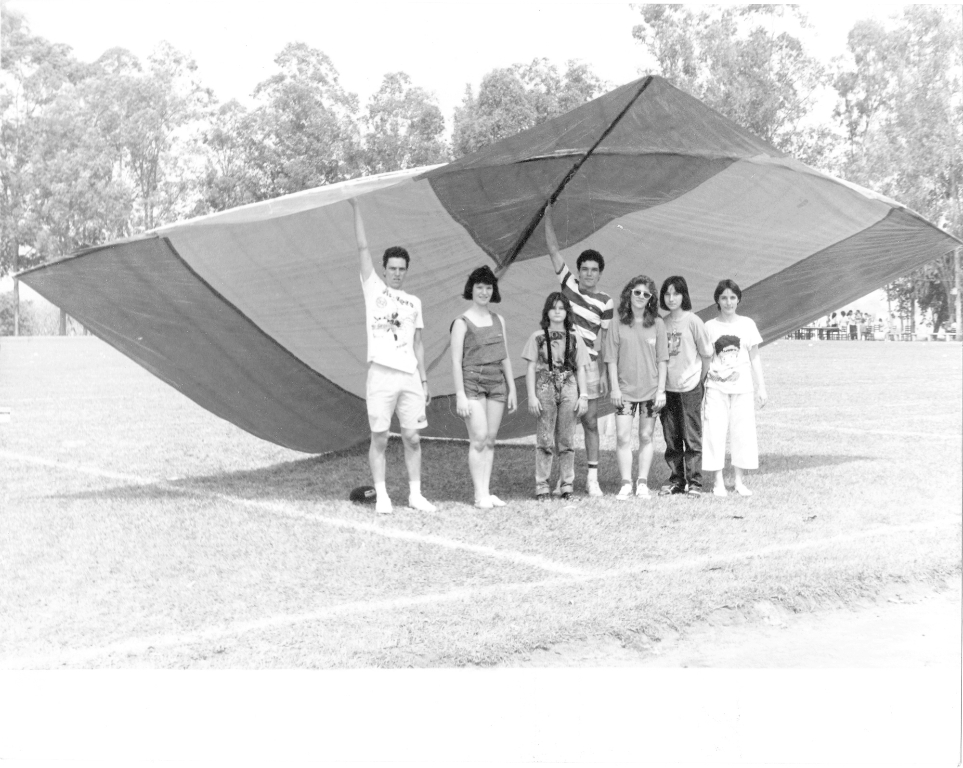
column 16, row 289
column 957, row 258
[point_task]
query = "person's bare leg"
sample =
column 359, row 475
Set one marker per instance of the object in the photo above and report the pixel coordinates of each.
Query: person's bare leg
column 646, row 450
column 477, row 423
column 590, row 428
column 376, row 459
column 719, row 486
column 493, row 414
column 623, row 450
column 739, row 484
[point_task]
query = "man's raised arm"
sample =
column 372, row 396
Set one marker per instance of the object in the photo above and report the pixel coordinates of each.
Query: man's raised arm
column 366, row 266
column 552, row 242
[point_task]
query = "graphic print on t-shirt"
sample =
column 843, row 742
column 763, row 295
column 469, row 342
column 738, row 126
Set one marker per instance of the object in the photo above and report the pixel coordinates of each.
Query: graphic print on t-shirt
column 675, row 342
column 727, row 353
column 391, row 322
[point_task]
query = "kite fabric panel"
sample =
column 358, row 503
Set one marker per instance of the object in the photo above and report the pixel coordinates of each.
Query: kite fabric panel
column 257, row 313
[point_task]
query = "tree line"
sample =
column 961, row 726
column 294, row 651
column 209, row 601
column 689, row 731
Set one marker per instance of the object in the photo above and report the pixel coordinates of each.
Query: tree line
column 92, row 152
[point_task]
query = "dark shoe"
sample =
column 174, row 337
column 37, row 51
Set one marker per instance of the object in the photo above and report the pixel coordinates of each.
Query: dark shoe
column 566, row 495
column 543, row 497
column 694, row 493
column 671, row 490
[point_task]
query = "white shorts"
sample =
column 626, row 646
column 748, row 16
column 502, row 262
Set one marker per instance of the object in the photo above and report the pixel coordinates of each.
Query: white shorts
column 389, row 390
column 592, row 379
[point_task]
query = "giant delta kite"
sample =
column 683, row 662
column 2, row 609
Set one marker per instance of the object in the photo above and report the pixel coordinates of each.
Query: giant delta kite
column 257, row 314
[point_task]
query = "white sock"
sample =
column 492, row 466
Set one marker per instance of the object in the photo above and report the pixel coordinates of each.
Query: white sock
column 415, row 488
column 382, row 490
column 593, row 474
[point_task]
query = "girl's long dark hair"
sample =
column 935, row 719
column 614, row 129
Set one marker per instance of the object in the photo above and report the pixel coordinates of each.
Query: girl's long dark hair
column 550, row 302
column 625, row 302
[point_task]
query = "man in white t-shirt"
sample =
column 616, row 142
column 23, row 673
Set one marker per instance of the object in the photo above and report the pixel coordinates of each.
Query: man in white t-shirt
column 396, row 366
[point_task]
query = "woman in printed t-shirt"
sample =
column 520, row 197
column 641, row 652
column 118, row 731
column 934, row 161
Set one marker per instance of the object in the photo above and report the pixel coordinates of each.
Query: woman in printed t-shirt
column 636, row 353
column 690, row 351
column 482, row 370
column 729, row 391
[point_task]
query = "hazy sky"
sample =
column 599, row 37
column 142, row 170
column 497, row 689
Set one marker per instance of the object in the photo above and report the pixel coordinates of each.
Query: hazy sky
column 441, row 45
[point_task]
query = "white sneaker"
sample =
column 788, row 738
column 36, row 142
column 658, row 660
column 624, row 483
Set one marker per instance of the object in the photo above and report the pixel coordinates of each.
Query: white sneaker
column 422, row 504
column 742, row 490
column 484, row 503
column 383, row 505
column 641, row 491
column 625, row 492
column 716, row 491
column 592, row 487
column 495, row 501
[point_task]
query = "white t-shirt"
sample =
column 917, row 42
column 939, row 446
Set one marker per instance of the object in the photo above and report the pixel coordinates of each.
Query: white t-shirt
column 731, row 368
column 392, row 318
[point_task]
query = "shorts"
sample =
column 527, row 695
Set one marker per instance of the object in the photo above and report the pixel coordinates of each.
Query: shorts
column 592, row 378
column 644, row 408
column 389, row 390
column 485, row 381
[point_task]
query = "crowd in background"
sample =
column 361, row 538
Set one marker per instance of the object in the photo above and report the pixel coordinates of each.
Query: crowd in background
column 856, row 325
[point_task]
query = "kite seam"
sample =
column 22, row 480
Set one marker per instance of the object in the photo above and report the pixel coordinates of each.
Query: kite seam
column 218, row 295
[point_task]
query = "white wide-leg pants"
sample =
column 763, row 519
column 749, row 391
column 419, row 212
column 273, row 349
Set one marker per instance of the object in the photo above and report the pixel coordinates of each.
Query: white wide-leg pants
column 735, row 414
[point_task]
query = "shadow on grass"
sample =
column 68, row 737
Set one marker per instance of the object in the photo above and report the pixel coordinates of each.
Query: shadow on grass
column 445, row 475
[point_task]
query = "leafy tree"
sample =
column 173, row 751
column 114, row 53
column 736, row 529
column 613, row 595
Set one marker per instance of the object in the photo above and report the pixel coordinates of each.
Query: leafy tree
column 304, row 131
column 744, row 62
column 516, row 98
column 900, row 106
column 405, row 127
column 33, row 73
column 228, row 180
column 150, row 116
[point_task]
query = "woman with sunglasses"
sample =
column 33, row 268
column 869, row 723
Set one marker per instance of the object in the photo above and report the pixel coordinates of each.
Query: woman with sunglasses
column 636, row 353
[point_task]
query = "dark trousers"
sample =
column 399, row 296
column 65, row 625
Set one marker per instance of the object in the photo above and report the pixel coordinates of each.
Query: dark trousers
column 682, row 427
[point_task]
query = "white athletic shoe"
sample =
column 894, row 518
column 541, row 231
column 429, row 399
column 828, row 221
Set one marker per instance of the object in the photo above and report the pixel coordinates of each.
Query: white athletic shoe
column 641, row 491
column 625, row 492
column 722, row 492
column 742, row 490
column 383, row 505
column 592, row 487
column 495, row 501
column 422, row 504
column 484, row 503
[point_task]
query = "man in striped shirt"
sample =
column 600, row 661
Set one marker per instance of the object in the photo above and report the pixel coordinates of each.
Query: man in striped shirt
column 592, row 311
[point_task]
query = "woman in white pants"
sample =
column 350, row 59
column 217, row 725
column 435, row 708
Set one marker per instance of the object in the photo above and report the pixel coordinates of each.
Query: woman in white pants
column 729, row 406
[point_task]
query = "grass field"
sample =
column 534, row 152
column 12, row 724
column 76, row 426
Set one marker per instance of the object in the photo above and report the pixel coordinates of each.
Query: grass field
column 139, row 531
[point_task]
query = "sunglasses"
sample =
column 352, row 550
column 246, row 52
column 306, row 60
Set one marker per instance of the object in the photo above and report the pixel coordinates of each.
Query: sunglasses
column 640, row 292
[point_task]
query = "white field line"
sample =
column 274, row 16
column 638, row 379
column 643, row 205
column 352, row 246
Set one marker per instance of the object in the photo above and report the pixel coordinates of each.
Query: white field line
column 79, row 468
column 843, row 538
column 142, row 645
column 284, row 510
column 856, row 431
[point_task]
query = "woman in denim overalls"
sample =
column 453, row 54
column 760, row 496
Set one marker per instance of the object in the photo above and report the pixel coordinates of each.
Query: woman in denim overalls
column 556, row 385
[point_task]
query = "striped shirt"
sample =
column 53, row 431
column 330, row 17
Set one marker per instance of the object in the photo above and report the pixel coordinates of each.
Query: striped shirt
column 591, row 311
